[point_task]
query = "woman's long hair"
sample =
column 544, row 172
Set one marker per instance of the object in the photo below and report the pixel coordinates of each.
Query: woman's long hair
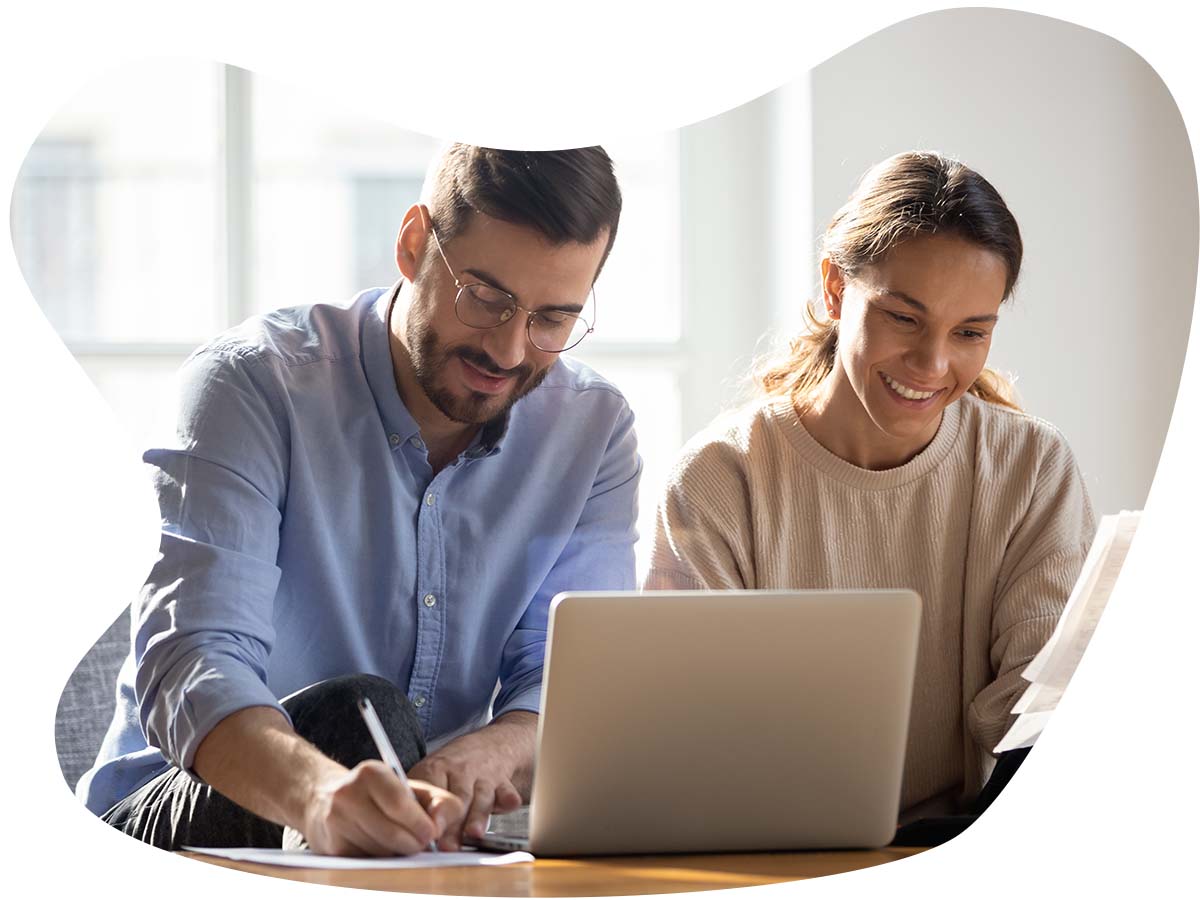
column 907, row 195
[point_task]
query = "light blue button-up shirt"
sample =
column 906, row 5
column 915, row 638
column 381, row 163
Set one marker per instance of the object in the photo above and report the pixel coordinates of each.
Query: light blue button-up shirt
column 304, row 536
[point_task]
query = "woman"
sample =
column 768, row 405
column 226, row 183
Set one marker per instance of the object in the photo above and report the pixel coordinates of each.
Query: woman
column 883, row 454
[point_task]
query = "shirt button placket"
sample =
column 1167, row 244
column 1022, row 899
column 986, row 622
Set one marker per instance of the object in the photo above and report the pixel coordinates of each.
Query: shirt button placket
column 430, row 623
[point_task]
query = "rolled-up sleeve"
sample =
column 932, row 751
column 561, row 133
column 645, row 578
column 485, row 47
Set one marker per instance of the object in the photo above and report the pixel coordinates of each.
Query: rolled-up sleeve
column 203, row 622
column 598, row 556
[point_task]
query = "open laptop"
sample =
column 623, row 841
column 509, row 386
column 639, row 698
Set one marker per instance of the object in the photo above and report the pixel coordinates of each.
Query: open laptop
column 721, row 721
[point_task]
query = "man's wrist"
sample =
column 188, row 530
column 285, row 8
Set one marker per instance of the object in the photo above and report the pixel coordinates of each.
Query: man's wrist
column 256, row 759
column 516, row 717
column 316, row 772
column 515, row 733
column 514, row 728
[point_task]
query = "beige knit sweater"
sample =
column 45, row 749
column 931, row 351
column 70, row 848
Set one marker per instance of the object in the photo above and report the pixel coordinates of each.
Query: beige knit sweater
column 989, row 524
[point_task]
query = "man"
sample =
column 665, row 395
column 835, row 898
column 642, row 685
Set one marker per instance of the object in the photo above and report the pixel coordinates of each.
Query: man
column 380, row 500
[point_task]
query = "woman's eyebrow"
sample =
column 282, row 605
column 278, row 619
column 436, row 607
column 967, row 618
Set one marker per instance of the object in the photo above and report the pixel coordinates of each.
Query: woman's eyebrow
column 900, row 295
column 921, row 307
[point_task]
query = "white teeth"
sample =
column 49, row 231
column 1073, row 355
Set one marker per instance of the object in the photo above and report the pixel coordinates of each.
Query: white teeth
column 907, row 393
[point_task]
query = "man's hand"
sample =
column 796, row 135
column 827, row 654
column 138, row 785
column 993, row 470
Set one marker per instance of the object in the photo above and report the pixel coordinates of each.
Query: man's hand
column 255, row 759
column 489, row 770
column 367, row 811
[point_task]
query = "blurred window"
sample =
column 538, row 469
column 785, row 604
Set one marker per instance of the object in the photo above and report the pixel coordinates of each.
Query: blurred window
column 161, row 206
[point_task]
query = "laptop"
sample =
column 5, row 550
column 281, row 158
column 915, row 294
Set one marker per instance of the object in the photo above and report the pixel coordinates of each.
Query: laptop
column 677, row 722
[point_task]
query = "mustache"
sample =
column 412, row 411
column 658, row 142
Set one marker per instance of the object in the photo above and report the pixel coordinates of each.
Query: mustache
column 481, row 360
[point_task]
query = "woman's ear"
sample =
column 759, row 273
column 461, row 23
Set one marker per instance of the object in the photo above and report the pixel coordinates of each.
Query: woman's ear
column 832, row 285
column 412, row 241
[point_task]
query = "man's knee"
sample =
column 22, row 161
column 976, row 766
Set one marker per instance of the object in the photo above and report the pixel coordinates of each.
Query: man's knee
column 326, row 714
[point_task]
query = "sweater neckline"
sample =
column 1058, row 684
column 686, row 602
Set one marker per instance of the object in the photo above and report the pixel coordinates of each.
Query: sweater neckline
column 783, row 414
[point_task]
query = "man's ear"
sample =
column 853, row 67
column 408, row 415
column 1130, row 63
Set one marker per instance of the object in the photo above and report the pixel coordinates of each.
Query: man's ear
column 412, row 241
column 832, row 285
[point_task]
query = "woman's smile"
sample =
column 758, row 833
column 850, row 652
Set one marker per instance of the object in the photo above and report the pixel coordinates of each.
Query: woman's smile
column 907, row 396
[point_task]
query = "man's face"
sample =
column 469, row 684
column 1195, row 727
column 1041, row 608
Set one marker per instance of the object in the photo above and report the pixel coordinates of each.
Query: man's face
column 474, row 375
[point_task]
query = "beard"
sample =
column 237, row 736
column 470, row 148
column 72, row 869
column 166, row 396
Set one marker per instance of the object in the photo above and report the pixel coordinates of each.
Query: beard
column 430, row 359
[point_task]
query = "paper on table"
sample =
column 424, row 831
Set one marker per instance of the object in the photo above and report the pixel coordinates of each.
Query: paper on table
column 305, row 859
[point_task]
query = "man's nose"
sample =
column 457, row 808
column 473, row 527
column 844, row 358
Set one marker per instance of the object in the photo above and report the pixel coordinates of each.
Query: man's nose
column 507, row 343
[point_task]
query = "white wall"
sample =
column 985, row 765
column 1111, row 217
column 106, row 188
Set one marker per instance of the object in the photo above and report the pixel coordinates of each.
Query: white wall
column 1087, row 147
column 724, row 187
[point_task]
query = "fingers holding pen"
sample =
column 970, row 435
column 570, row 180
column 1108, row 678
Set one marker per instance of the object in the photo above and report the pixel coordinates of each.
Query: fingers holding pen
column 370, row 812
column 402, row 815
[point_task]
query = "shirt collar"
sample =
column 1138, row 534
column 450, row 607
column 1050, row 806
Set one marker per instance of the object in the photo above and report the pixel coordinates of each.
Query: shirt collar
column 381, row 376
column 487, row 442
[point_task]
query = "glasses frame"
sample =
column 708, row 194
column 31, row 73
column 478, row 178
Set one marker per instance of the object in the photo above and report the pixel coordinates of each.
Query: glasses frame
column 529, row 313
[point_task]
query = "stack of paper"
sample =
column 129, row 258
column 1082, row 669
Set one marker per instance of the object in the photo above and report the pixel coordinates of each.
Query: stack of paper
column 1053, row 667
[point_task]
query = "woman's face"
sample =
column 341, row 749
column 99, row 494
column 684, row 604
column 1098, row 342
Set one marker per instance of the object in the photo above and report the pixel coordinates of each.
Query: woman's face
column 914, row 332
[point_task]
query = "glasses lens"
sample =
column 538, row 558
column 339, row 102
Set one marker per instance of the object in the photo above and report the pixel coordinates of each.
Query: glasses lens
column 481, row 306
column 556, row 331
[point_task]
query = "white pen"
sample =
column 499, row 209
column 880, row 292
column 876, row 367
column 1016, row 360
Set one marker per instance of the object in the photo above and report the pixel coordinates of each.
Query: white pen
column 386, row 752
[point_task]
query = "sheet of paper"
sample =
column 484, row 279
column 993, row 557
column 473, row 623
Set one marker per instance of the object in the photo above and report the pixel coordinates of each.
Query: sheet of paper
column 1038, row 697
column 1084, row 585
column 305, row 859
column 1052, row 668
column 1065, row 649
column 1023, row 733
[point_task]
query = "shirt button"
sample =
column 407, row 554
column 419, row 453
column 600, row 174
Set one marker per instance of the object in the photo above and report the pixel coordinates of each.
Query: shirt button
column 430, row 600
column 429, row 499
column 415, row 441
column 419, row 701
column 394, row 440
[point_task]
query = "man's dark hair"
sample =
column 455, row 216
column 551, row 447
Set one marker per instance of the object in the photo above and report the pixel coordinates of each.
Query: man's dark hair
column 565, row 195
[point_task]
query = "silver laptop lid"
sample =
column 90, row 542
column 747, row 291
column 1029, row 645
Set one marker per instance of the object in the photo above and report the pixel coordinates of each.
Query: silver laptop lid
column 723, row 721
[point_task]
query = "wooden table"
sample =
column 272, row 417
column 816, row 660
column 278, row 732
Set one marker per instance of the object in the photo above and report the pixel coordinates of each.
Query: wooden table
column 591, row 877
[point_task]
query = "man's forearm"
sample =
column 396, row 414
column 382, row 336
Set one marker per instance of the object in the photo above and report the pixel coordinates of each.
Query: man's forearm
column 254, row 758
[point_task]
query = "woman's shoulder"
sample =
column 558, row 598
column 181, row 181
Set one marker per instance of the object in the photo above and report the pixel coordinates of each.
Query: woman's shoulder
column 1011, row 438
column 731, row 453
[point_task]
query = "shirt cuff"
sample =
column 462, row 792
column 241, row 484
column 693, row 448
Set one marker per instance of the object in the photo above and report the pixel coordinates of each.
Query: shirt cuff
column 527, row 700
column 207, row 701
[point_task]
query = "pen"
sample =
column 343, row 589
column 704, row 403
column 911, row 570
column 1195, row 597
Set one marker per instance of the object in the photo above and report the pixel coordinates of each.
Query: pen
column 386, row 751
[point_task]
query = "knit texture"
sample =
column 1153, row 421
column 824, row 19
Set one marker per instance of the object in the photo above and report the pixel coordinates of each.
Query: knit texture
column 989, row 524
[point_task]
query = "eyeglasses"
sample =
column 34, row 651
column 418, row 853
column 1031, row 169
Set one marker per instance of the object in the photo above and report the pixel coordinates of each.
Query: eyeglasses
column 480, row 305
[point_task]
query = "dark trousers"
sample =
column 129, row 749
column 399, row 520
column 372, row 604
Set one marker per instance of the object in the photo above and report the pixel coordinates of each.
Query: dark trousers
column 173, row 810
column 938, row 829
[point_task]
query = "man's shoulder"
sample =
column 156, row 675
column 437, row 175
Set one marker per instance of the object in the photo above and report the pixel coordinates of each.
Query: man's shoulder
column 573, row 409
column 297, row 335
column 572, row 375
column 571, row 384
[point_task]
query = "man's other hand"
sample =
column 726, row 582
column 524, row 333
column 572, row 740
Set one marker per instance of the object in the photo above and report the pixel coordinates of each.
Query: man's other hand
column 489, row 771
column 367, row 811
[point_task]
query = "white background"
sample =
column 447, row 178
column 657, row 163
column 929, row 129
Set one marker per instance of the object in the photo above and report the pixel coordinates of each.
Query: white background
column 1106, row 801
